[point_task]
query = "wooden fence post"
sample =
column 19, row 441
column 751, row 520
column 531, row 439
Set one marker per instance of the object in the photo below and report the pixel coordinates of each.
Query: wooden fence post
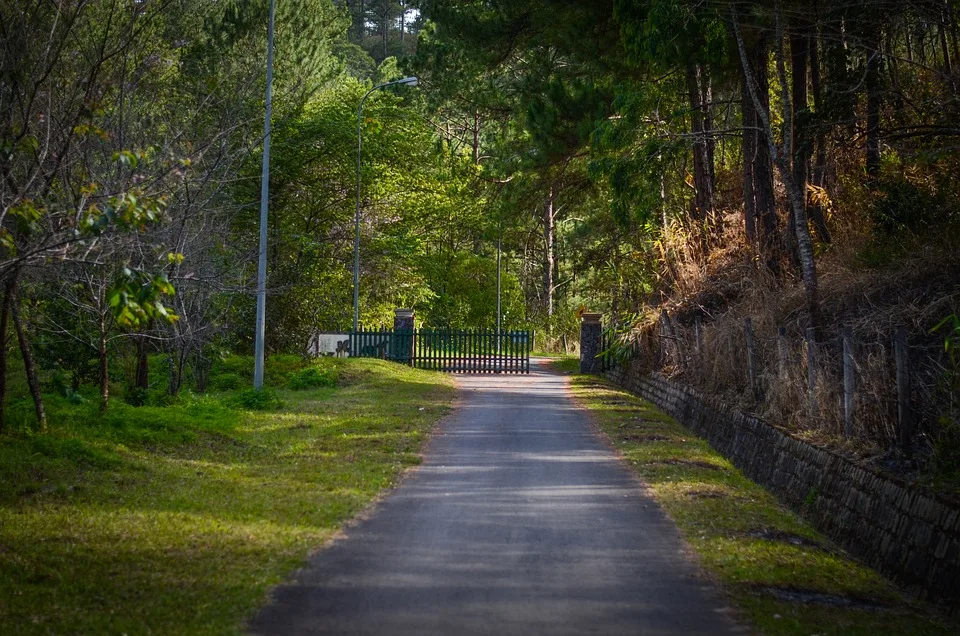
column 904, row 415
column 783, row 355
column 674, row 334
column 751, row 357
column 661, row 361
column 698, row 335
column 812, row 372
column 846, row 335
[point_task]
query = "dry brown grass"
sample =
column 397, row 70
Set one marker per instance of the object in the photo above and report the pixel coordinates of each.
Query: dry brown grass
column 916, row 290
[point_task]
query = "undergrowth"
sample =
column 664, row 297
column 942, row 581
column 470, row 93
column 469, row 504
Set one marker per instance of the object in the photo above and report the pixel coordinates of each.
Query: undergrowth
column 909, row 281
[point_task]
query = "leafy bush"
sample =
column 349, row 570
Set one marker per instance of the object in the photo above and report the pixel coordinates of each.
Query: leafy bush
column 901, row 205
column 313, row 378
column 234, row 371
column 136, row 396
column 262, row 400
column 164, row 398
column 227, row 382
column 62, row 386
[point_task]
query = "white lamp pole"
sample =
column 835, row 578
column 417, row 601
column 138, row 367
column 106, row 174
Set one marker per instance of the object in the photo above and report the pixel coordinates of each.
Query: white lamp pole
column 264, row 202
column 499, row 252
column 408, row 81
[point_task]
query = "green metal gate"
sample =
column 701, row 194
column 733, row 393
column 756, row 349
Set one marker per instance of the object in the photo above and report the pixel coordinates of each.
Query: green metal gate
column 450, row 350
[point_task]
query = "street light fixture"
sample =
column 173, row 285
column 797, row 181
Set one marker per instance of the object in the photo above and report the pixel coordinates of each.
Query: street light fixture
column 407, row 81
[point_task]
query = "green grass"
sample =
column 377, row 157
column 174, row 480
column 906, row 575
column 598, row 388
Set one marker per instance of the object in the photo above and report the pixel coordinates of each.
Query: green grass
column 565, row 364
column 179, row 519
column 756, row 548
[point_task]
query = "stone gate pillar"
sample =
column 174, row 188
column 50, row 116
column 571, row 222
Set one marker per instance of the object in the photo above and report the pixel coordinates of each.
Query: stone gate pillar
column 403, row 326
column 590, row 341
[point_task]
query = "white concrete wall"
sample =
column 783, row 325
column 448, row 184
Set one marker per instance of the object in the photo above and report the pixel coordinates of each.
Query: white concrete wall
column 326, row 344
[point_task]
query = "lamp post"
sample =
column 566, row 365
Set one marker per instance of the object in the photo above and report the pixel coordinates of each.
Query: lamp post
column 408, row 81
column 264, row 203
column 499, row 251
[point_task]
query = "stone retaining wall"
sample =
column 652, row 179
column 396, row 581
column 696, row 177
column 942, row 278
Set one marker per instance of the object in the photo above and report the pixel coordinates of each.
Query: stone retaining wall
column 903, row 531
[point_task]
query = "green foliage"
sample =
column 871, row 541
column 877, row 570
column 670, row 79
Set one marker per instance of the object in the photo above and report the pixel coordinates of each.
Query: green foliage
column 254, row 400
column 64, row 389
column 465, row 292
column 946, row 447
column 949, row 327
column 136, row 396
column 227, row 381
column 136, row 298
column 901, row 206
column 234, row 371
column 313, row 377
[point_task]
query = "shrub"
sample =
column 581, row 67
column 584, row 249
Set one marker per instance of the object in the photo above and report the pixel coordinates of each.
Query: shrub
column 902, row 205
column 277, row 370
column 61, row 385
column 313, row 378
column 136, row 396
column 227, row 382
column 262, row 400
column 164, row 398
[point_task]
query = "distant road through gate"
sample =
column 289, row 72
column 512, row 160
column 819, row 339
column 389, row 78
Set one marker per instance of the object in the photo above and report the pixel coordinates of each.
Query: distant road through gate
column 450, row 350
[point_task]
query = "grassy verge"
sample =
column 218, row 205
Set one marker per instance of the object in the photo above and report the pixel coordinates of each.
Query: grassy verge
column 538, row 353
column 178, row 519
column 565, row 364
column 784, row 576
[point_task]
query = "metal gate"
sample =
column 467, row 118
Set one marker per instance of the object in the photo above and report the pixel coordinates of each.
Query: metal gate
column 450, row 350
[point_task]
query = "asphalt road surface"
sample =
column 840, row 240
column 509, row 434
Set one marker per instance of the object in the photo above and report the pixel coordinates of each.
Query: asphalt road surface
column 520, row 521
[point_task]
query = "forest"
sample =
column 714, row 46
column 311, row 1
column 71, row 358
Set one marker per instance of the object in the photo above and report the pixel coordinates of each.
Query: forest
column 673, row 164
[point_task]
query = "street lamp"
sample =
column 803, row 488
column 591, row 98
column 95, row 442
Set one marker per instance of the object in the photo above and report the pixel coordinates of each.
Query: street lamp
column 408, row 81
column 264, row 202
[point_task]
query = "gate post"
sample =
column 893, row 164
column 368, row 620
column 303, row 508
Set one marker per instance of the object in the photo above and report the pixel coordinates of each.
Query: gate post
column 591, row 334
column 403, row 335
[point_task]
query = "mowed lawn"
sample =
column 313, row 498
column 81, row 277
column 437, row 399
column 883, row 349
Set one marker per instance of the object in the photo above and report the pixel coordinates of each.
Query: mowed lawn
column 179, row 519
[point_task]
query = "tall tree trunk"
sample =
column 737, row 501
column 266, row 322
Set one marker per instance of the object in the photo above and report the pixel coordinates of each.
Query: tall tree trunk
column 942, row 33
column 29, row 367
column 103, row 363
column 403, row 21
column 706, row 105
column 908, row 38
column 818, row 176
column 872, row 82
column 143, row 366
column 761, row 168
column 700, row 124
column 805, row 245
column 361, row 21
column 749, row 152
column 4, row 312
column 383, row 35
column 799, row 50
column 799, row 53
column 476, row 137
column 951, row 19
column 549, row 236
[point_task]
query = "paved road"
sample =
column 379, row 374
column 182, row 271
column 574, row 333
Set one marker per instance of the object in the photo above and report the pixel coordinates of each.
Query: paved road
column 519, row 521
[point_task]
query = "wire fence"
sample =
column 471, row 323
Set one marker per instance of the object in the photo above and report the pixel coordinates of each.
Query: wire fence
column 896, row 389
